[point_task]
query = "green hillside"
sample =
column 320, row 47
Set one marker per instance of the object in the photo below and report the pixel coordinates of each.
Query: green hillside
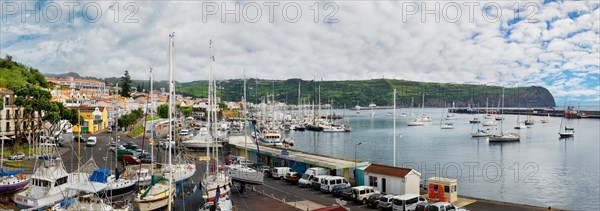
column 378, row 91
column 13, row 75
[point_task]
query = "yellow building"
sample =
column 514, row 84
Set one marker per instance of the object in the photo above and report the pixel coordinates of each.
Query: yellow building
column 95, row 120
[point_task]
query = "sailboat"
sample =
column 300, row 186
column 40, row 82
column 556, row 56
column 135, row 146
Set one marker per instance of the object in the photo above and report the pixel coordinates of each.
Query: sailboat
column 424, row 117
column 157, row 195
column 416, row 121
column 161, row 189
column 519, row 125
column 445, row 125
column 87, row 200
column 546, row 119
column 565, row 131
column 504, row 137
column 216, row 183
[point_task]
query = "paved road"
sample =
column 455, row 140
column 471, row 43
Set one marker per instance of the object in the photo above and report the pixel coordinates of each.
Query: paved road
column 293, row 193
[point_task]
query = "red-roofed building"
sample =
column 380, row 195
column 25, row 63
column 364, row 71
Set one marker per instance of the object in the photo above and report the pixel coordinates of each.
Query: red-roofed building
column 392, row 180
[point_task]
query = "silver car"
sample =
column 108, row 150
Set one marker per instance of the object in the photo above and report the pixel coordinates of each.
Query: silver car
column 386, row 202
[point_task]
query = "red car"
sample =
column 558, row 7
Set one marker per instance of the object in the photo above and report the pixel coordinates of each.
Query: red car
column 130, row 159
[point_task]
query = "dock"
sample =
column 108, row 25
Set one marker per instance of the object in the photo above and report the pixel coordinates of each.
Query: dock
column 531, row 111
column 295, row 159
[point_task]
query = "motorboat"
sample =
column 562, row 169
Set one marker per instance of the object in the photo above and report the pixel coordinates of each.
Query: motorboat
column 243, row 173
column 488, row 123
column 481, row 133
column 505, row 137
column 48, row 185
column 12, row 181
column 447, row 125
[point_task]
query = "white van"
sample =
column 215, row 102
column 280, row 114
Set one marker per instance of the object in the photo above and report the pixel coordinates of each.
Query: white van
column 279, row 172
column 407, row 202
column 327, row 183
column 315, row 183
column 305, row 181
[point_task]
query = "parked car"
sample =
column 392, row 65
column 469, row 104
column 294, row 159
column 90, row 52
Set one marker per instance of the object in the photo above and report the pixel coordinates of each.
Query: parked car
column 141, row 151
column 130, row 159
column 280, row 172
column 407, row 202
column 266, row 170
column 327, row 183
column 17, row 156
column 78, row 138
column 146, row 158
column 112, row 146
column 292, row 178
column 347, row 194
column 360, row 194
column 338, row 190
column 421, row 206
column 91, row 141
column 109, row 130
column 131, row 145
column 386, row 202
column 439, row 206
column 373, row 200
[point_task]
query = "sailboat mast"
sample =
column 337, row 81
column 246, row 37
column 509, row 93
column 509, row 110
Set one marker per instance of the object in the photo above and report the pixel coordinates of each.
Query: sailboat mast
column 171, row 135
column 244, row 116
column 151, row 110
column 502, row 111
column 215, row 112
column 394, row 125
column 209, row 109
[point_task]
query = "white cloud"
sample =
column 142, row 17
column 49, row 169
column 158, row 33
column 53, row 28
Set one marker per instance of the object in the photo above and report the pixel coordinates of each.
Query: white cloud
column 371, row 40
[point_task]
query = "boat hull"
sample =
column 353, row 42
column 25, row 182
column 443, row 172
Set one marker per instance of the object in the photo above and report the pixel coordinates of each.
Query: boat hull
column 118, row 191
column 13, row 187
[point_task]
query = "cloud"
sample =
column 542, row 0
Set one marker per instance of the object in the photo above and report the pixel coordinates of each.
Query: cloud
column 370, row 40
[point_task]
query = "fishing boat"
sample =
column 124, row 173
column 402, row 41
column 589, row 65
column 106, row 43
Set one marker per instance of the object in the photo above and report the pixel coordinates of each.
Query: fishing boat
column 48, row 185
column 157, row 195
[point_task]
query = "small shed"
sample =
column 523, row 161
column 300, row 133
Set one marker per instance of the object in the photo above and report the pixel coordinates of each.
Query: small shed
column 392, row 180
column 442, row 189
column 360, row 176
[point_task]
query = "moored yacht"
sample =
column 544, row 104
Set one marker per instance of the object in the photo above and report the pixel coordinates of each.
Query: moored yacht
column 48, row 185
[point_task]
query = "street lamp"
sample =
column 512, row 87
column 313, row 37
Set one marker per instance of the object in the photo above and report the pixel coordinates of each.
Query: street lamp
column 355, row 161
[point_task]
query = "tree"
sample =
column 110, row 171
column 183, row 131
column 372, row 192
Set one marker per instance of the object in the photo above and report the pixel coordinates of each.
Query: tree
column 126, row 85
column 163, row 111
column 186, row 110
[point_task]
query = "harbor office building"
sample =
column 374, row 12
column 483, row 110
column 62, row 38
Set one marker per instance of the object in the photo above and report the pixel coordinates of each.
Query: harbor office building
column 391, row 180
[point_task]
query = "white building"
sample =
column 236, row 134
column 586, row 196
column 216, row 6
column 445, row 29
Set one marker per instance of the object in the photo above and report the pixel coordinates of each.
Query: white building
column 392, row 180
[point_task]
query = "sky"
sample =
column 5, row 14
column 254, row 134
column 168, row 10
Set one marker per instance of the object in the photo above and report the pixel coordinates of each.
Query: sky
column 554, row 44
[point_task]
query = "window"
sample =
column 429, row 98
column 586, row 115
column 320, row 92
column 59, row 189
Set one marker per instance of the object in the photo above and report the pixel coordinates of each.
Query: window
column 412, row 201
column 61, row 181
column 338, row 181
column 7, row 126
column 447, row 189
column 454, row 188
column 7, row 114
column 361, row 192
column 450, row 207
column 373, row 181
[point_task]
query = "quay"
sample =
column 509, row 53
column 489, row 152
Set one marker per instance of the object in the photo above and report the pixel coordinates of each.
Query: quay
column 295, row 159
column 533, row 112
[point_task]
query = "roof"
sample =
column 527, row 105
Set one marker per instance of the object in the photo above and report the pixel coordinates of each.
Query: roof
column 441, row 180
column 387, row 170
column 407, row 196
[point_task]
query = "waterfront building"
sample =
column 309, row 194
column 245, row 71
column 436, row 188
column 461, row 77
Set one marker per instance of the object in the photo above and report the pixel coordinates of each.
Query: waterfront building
column 392, row 180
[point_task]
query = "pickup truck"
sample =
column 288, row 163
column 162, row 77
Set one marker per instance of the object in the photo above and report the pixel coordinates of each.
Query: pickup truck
column 292, row 178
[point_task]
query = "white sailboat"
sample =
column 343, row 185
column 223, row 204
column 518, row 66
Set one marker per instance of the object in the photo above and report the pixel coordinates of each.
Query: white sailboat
column 490, row 122
column 216, row 183
column 564, row 131
column 445, row 125
column 86, row 199
column 504, row 137
column 546, row 119
column 424, row 117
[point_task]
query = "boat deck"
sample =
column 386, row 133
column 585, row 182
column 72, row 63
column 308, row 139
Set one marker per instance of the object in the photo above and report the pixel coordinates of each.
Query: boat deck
column 296, row 155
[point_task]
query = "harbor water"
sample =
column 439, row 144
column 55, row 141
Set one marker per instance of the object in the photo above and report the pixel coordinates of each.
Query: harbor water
column 541, row 169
